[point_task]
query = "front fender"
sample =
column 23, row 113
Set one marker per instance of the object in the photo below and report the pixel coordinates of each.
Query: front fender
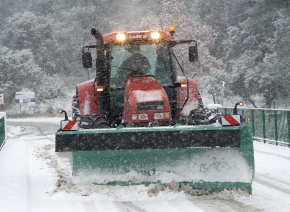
column 88, row 98
column 192, row 101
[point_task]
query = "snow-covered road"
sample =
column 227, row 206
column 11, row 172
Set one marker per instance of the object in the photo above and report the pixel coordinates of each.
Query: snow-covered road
column 35, row 178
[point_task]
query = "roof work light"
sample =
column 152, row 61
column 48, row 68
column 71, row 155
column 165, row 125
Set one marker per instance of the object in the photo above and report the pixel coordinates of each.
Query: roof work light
column 121, row 37
column 155, row 35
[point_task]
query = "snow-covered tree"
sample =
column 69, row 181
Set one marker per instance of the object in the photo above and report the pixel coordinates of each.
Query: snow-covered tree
column 52, row 87
column 275, row 75
column 174, row 12
column 246, row 47
column 72, row 32
column 27, row 31
column 250, row 37
column 17, row 70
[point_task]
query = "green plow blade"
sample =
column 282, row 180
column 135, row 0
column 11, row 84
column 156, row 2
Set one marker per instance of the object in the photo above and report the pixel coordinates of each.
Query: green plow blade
column 189, row 155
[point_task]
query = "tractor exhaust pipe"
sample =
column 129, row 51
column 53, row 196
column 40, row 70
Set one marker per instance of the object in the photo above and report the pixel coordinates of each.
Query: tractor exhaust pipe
column 99, row 38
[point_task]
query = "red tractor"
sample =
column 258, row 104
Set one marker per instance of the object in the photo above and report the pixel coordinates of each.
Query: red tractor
column 136, row 82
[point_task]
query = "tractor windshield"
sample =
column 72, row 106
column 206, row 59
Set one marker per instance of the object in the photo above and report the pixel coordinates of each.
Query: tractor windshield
column 140, row 59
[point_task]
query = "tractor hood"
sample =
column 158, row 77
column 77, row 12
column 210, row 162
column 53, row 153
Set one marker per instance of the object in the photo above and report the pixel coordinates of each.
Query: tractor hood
column 145, row 101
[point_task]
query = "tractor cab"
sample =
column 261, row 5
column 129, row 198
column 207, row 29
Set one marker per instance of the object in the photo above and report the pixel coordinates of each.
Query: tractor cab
column 145, row 62
column 139, row 59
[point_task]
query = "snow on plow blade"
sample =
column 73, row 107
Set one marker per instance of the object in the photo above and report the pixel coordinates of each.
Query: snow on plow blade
column 204, row 157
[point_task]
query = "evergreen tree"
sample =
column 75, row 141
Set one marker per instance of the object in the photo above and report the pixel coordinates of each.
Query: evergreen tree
column 17, row 70
column 173, row 12
column 246, row 48
column 28, row 31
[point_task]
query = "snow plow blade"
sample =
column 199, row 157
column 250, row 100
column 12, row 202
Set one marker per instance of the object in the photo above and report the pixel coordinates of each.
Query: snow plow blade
column 203, row 157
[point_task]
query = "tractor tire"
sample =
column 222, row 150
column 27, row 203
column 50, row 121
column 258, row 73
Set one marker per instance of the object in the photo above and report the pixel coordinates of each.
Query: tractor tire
column 87, row 121
column 100, row 122
column 93, row 122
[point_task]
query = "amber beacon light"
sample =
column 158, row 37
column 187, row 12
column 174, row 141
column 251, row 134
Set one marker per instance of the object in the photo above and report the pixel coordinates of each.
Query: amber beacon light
column 171, row 29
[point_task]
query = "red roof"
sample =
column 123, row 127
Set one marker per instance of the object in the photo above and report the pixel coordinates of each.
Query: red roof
column 135, row 35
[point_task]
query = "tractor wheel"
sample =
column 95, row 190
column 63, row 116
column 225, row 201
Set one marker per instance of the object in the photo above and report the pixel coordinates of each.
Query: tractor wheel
column 93, row 122
column 87, row 121
column 100, row 122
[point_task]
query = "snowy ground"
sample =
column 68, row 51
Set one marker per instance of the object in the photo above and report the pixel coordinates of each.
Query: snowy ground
column 35, row 178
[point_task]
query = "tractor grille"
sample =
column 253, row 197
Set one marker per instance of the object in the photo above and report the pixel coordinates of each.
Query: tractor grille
column 150, row 106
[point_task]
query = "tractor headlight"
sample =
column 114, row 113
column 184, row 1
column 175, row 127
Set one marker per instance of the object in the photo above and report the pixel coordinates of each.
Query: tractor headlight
column 158, row 116
column 183, row 84
column 165, row 115
column 100, row 88
column 143, row 116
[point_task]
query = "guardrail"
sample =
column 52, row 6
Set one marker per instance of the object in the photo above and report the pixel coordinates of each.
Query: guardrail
column 268, row 125
column 3, row 136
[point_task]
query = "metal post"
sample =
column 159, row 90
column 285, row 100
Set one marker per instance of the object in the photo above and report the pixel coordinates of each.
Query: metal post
column 264, row 125
column 253, row 123
column 288, row 124
column 276, row 127
column 222, row 93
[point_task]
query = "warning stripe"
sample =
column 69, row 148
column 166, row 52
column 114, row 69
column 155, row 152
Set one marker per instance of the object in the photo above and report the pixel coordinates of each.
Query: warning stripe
column 231, row 120
column 69, row 125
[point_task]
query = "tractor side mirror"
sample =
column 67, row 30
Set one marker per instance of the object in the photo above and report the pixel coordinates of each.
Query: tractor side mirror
column 87, row 59
column 192, row 53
